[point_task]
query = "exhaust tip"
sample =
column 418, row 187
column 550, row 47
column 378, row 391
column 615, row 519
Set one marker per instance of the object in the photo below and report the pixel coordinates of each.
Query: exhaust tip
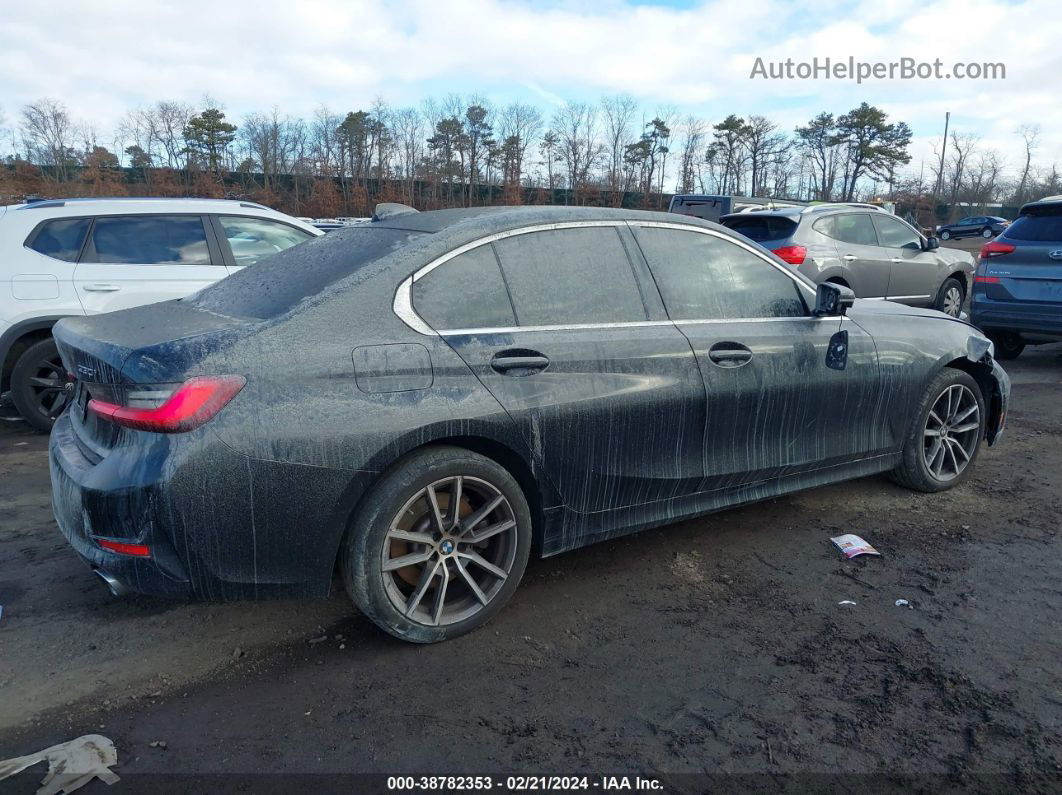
column 114, row 585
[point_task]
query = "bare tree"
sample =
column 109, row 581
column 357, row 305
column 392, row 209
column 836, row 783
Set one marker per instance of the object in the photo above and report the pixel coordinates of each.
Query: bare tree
column 619, row 112
column 48, row 135
column 576, row 125
column 1030, row 136
column 520, row 126
column 763, row 143
column 693, row 131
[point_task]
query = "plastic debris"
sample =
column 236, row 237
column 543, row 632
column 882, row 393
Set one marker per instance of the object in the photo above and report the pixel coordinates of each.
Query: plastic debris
column 852, row 545
column 903, row 603
column 1, row 611
column 71, row 765
column 846, row 602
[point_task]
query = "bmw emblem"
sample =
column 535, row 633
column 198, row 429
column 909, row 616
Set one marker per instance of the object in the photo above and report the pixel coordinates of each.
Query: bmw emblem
column 446, row 547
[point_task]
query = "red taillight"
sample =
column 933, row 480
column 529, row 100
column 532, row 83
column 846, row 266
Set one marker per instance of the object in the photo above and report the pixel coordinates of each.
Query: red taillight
column 995, row 249
column 794, row 255
column 987, row 279
column 192, row 403
column 135, row 550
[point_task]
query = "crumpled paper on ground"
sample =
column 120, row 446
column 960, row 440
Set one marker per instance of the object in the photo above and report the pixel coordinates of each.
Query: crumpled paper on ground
column 71, row 765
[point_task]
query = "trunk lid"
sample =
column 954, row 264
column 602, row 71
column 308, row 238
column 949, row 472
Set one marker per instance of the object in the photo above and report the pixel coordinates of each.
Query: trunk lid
column 1032, row 272
column 114, row 355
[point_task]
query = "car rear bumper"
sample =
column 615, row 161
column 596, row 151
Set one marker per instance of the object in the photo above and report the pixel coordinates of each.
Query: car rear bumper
column 1033, row 318
column 218, row 524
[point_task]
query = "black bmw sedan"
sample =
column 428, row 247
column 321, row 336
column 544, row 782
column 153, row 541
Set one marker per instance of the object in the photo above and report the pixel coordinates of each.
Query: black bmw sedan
column 420, row 403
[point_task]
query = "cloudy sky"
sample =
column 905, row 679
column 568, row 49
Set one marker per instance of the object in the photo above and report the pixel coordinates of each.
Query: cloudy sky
column 105, row 56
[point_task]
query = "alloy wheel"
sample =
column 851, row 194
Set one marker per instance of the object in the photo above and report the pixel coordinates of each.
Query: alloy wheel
column 951, row 433
column 47, row 387
column 449, row 550
column 952, row 303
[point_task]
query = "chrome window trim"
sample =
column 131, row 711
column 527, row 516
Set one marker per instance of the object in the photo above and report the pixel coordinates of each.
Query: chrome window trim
column 403, row 300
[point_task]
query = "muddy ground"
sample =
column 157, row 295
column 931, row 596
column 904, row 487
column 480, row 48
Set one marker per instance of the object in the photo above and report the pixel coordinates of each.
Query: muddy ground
column 715, row 646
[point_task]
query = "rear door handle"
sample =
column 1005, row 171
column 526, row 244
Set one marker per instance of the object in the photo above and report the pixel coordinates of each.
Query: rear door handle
column 896, row 260
column 101, row 288
column 729, row 354
column 519, row 363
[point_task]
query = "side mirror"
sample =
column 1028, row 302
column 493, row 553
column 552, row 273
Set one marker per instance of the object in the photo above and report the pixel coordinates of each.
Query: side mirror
column 932, row 244
column 833, row 300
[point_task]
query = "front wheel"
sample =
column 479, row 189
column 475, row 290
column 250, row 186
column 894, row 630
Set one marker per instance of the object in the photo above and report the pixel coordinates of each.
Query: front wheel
column 949, row 298
column 945, row 436
column 439, row 546
column 945, row 234
column 38, row 385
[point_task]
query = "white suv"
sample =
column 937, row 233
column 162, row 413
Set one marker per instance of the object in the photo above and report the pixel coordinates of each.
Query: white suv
column 83, row 256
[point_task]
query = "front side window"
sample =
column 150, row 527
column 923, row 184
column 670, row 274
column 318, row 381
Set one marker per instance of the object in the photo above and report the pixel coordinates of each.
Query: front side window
column 252, row 239
column 896, row 234
column 855, row 228
column 61, row 238
column 704, row 277
column 464, row 292
column 570, row 276
column 151, row 240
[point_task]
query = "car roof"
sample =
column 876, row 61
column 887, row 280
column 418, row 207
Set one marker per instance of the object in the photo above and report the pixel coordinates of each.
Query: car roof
column 1047, row 201
column 478, row 221
column 33, row 212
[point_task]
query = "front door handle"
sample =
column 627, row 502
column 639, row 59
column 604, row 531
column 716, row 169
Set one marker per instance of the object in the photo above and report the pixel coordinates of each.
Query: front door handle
column 729, row 354
column 519, row 363
column 849, row 257
column 101, row 288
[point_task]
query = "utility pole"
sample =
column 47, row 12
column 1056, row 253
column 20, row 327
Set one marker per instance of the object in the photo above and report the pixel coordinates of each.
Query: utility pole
column 943, row 149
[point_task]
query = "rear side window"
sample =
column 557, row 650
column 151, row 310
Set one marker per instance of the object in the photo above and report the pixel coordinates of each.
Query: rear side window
column 61, row 238
column 764, row 227
column 275, row 285
column 465, row 292
column 151, row 240
column 1043, row 226
column 570, row 276
column 856, row 228
column 896, row 234
column 252, row 239
column 703, row 277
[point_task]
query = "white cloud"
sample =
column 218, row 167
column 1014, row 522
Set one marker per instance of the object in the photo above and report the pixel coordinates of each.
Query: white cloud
column 104, row 57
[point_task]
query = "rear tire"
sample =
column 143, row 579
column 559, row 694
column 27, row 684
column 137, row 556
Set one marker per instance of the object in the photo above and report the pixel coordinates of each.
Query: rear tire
column 945, row 437
column 950, row 297
column 986, row 233
column 1008, row 344
column 452, row 582
column 38, row 385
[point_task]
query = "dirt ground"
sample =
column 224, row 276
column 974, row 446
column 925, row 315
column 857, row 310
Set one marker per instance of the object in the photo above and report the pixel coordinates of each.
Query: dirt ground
column 713, row 647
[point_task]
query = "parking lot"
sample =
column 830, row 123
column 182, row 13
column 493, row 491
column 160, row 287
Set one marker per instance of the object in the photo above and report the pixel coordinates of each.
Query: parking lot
column 713, row 646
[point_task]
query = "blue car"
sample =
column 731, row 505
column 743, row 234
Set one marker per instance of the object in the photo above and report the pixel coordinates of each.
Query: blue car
column 1017, row 292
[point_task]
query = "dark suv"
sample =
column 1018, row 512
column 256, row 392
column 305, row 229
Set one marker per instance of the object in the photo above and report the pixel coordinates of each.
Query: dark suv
column 863, row 247
column 1017, row 297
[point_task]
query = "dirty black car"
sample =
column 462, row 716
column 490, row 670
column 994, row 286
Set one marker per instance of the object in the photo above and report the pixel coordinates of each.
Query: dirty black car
column 420, row 403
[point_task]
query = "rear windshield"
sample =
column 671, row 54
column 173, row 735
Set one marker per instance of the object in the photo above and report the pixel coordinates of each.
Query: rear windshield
column 274, row 285
column 1042, row 225
column 762, row 227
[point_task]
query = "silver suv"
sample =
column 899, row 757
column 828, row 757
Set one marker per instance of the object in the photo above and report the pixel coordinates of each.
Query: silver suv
column 865, row 248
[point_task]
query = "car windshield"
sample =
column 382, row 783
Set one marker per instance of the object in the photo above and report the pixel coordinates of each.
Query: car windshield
column 1042, row 225
column 762, row 227
column 274, row 285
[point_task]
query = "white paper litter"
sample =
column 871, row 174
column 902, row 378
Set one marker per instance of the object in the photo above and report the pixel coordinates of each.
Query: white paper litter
column 846, row 602
column 902, row 603
column 852, row 545
column 71, row 765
